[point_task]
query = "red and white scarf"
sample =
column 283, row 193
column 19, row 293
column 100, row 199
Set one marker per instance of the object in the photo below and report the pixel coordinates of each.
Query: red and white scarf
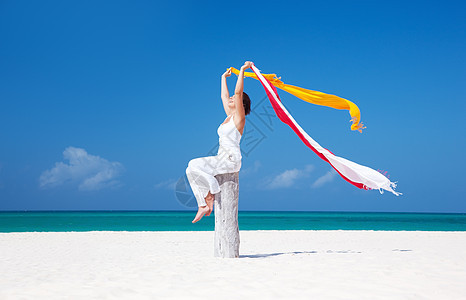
column 360, row 176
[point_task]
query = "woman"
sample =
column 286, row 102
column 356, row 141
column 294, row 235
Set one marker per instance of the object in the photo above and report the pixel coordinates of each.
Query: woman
column 201, row 171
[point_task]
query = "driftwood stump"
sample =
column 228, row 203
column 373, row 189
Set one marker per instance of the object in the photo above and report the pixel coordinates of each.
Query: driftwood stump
column 226, row 237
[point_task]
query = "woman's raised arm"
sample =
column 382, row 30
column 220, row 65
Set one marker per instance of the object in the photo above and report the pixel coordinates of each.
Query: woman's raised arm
column 225, row 95
column 239, row 90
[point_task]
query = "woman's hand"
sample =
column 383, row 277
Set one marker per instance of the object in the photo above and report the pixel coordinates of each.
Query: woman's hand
column 227, row 73
column 247, row 65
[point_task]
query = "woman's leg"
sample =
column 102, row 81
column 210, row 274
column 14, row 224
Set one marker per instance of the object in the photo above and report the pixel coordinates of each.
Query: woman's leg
column 200, row 173
column 205, row 210
column 201, row 211
column 209, row 199
column 201, row 179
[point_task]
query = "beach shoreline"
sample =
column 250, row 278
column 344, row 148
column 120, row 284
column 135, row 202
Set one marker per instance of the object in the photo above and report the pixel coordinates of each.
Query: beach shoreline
column 273, row 264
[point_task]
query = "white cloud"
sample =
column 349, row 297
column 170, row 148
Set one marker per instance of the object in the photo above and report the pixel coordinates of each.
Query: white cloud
column 288, row 178
column 252, row 169
column 90, row 172
column 328, row 177
column 167, row 184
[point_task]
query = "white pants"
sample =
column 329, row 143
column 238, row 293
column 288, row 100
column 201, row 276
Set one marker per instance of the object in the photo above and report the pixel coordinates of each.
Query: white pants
column 201, row 172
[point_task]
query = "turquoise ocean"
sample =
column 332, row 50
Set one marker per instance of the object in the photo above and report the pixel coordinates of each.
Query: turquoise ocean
column 248, row 220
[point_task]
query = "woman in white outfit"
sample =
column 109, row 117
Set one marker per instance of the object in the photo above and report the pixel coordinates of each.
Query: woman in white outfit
column 201, row 171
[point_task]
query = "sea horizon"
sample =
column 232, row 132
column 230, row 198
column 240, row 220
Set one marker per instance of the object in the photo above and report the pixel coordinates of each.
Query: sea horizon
column 180, row 220
column 193, row 210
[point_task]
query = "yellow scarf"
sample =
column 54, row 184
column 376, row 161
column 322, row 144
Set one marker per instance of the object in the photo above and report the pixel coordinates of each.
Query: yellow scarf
column 314, row 97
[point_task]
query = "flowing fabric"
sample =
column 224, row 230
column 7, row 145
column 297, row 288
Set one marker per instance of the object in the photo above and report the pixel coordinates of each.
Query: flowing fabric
column 314, row 97
column 358, row 175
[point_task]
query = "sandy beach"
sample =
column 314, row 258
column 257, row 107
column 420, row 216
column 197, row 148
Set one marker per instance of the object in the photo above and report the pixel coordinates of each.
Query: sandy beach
column 272, row 265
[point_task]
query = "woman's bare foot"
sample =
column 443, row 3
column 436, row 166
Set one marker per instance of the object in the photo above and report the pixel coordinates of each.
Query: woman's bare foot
column 201, row 212
column 210, row 203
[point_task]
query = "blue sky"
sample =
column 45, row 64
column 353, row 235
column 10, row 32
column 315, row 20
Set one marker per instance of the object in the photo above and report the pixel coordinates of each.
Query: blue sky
column 103, row 103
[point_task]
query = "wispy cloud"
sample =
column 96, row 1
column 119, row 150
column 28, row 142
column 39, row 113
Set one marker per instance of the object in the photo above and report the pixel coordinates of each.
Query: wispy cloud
column 89, row 172
column 326, row 178
column 288, row 178
column 252, row 169
column 167, row 184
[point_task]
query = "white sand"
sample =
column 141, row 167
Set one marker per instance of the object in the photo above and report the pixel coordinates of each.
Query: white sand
column 273, row 264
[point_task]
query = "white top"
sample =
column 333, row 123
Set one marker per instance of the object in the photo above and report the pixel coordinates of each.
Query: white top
column 229, row 138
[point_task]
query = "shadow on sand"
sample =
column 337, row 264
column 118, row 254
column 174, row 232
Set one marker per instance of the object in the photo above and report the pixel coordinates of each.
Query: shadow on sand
column 296, row 252
column 309, row 252
column 274, row 254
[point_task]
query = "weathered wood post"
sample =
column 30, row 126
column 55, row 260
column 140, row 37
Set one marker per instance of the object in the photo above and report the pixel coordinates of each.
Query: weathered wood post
column 226, row 237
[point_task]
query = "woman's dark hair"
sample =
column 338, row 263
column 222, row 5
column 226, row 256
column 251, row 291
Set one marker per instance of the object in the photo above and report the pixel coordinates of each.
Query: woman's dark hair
column 246, row 104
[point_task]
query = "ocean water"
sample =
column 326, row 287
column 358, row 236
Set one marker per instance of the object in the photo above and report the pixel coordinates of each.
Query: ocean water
column 248, row 220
